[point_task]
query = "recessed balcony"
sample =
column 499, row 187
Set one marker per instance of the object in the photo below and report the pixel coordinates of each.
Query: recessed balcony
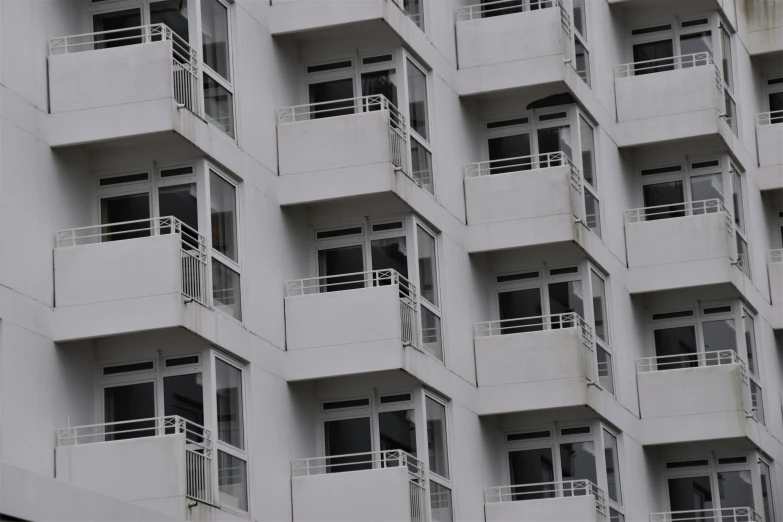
column 534, row 363
column 775, row 269
column 525, row 201
column 120, row 84
column 128, row 277
column 546, row 502
column 160, row 463
column 357, row 146
column 349, row 323
column 669, row 99
column 769, row 137
column 503, row 45
column 386, row 486
column 718, row 405
column 681, row 245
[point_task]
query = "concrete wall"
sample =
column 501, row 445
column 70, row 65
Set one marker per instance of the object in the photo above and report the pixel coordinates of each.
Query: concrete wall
column 546, row 510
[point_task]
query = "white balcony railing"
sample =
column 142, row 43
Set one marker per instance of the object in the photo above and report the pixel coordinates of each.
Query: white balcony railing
column 688, row 360
column 676, row 210
column 193, row 247
column 776, row 256
column 184, row 58
column 547, row 322
column 533, row 162
column 417, row 472
column 769, row 118
column 409, row 298
column 504, row 7
column 546, row 490
column 398, row 141
column 670, row 63
column 742, row 514
column 198, row 446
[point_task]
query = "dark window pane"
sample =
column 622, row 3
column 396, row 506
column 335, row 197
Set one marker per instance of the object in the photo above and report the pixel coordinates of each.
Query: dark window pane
column 653, row 51
column 437, row 441
column 564, row 298
column 180, row 201
column 668, row 196
column 695, row 43
column 577, row 462
column 113, row 22
column 519, row 304
column 679, row 342
column 555, row 139
column 230, row 421
column 390, row 253
column 504, row 147
column 690, row 494
column 218, row 106
column 340, row 92
column 120, row 209
column 174, row 14
column 183, row 395
column 532, row 466
column 719, row 336
column 337, row 261
column 417, row 100
column 398, row 431
column 344, row 437
column 223, row 214
column 214, row 33
column 380, row 82
column 226, row 292
column 127, row 403
column 776, row 104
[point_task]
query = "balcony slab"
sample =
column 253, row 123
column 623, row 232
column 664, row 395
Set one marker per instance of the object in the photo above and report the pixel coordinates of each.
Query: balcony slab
column 561, row 509
column 770, row 148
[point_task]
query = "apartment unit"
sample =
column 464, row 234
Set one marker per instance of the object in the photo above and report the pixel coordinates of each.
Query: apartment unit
column 391, row 260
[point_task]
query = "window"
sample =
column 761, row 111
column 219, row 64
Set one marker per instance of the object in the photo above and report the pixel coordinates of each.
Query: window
column 216, row 51
column 738, row 200
column 418, row 120
column 437, row 441
column 766, row 490
column 232, row 459
column 428, row 289
column 587, row 143
column 774, row 99
column 414, row 9
column 226, row 285
column 563, row 453
column 118, row 214
column 115, row 21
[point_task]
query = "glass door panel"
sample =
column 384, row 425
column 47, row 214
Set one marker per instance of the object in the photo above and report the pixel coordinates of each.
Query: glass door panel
column 338, row 261
column 183, row 395
column 661, row 51
column 735, row 489
column 719, row 336
column 667, row 197
column 577, row 462
column 380, row 82
column 346, row 437
column 704, row 187
column 531, row 468
column 120, row 209
column 129, row 19
column 127, row 403
column 691, row 494
column 564, row 298
column 389, row 253
column 554, row 139
column 397, row 432
column 505, row 147
column 679, row 342
column 775, row 105
column 693, row 43
column 340, row 92
column 174, row 14
column 515, row 305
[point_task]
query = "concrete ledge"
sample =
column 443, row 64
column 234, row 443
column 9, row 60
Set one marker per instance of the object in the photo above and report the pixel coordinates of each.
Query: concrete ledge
column 531, row 396
column 687, row 274
column 326, row 185
column 487, row 79
column 523, row 233
column 350, row 359
column 293, row 16
column 558, row 509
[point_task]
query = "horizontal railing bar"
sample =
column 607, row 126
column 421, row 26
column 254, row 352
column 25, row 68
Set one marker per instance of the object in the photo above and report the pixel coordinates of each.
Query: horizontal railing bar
column 776, row 256
column 474, row 11
column 536, row 161
column 660, row 362
column 675, row 62
column 765, row 118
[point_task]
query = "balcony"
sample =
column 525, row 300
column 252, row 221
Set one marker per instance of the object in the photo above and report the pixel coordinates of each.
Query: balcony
column 669, row 99
column 120, row 84
column 769, row 137
column 350, row 323
column 681, row 245
column 547, row 502
column 355, row 147
column 503, row 45
column 343, row 16
column 128, row 277
column 525, row 201
column 534, row 363
column 383, row 486
column 719, row 403
column 158, row 463
column 775, row 269
column 740, row 514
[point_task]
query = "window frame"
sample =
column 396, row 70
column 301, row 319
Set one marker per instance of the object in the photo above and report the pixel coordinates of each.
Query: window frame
column 436, row 310
column 236, row 266
column 447, row 483
column 405, row 110
column 205, row 69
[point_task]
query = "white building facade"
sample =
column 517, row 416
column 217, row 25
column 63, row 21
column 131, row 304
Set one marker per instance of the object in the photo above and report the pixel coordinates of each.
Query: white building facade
column 391, row 260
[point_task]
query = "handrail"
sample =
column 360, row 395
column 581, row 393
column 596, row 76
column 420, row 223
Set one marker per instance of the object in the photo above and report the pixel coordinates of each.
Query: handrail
column 520, row 163
column 501, row 7
column 315, row 285
column 72, row 435
column 739, row 514
column 193, row 246
column 534, row 324
column 776, row 256
column 688, row 360
column 675, row 210
column 567, row 488
column 769, row 118
column 372, row 460
column 327, row 109
column 663, row 64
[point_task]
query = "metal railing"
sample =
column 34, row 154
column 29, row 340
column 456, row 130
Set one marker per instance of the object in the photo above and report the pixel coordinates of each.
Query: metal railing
column 670, row 63
column 675, row 210
column 524, row 325
column 185, row 61
column 769, row 118
column 776, row 256
column 409, row 299
column 742, row 514
column 501, row 7
column 198, row 445
column 193, row 247
column 398, row 138
column 688, row 360
column 546, row 490
column 417, row 472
